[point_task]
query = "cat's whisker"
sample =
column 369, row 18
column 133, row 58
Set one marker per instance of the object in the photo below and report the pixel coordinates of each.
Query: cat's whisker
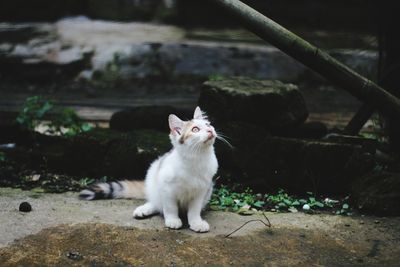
column 225, row 141
column 222, row 135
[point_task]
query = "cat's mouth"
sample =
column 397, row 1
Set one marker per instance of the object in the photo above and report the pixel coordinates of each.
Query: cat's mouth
column 210, row 136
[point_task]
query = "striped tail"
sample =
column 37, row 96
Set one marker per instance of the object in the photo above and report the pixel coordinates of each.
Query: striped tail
column 119, row 189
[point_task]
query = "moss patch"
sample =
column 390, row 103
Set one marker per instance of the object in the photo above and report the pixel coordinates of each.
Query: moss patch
column 248, row 86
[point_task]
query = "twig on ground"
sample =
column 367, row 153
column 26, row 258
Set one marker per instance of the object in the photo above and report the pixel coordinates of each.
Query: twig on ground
column 268, row 224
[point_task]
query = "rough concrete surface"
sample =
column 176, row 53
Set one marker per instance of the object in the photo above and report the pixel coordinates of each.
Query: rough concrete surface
column 64, row 231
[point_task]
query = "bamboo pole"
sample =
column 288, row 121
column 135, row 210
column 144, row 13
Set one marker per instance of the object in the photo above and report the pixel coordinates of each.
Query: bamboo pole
column 359, row 119
column 314, row 58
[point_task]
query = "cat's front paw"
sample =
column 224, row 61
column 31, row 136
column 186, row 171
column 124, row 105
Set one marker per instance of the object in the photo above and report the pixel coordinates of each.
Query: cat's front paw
column 143, row 211
column 173, row 223
column 138, row 213
column 200, row 226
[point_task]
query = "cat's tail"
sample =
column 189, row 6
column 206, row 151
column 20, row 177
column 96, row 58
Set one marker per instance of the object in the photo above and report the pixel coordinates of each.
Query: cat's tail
column 119, row 189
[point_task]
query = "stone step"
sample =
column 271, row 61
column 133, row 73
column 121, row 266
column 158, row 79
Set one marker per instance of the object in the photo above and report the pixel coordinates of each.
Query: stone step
column 109, row 51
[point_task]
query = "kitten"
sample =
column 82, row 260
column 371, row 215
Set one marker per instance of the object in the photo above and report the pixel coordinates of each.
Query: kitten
column 179, row 180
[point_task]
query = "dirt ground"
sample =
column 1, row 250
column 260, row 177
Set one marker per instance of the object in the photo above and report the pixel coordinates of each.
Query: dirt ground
column 64, row 231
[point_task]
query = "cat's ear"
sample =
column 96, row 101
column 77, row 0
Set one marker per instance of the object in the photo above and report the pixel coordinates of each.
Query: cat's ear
column 175, row 124
column 198, row 114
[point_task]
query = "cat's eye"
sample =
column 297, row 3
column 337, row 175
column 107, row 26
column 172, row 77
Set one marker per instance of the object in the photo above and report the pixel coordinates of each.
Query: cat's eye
column 195, row 129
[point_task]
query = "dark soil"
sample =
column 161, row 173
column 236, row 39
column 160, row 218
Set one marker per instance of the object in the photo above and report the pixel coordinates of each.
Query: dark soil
column 106, row 245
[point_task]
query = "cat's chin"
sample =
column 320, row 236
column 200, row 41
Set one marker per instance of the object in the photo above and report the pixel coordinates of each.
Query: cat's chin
column 209, row 141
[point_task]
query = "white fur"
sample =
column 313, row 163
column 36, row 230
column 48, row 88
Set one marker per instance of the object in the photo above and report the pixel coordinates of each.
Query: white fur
column 182, row 178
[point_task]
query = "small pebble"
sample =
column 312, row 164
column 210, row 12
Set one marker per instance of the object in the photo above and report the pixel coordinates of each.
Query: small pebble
column 376, row 221
column 306, row 207
column 74, row 255
column 347, row 224
column 25, row 207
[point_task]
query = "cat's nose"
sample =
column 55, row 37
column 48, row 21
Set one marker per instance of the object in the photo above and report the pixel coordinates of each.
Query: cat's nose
column 210, row 133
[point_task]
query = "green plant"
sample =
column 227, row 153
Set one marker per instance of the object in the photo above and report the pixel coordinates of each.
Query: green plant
column 247, row 202
column 86, row 181
column 2, row 156
column 68, row 123
column 344, row 208
column 33, row 111
column 65, row 122
column 313, row 202
column 282, row 201
column 103, row 179
column 224, row 198
column 215, row 77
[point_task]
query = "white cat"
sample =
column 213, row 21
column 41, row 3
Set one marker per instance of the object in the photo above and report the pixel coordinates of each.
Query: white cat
column 179, row 180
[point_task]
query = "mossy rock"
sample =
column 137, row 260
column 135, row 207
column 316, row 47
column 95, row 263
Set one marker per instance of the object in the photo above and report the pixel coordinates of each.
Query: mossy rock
column 110, row 153
column 269, row 104
column 98, row 153
column 297, row 165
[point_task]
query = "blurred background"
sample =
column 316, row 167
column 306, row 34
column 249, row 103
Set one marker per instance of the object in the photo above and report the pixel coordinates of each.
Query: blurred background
column 108, row 72
column 100, row 56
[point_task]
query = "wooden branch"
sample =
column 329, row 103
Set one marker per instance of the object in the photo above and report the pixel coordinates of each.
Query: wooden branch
column 359, row 119
column 314, row 58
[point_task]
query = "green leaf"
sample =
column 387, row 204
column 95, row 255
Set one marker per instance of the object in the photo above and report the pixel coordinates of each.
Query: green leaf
column 287, row 202
column 228, row 201
column 86, row 181
column 214, row 202
column 214, row 207
column 259, row 204
column 86, row 127
column 44, row 109
column 103, row 179
column 303, row 201
column 295, row 203
column 20, row 119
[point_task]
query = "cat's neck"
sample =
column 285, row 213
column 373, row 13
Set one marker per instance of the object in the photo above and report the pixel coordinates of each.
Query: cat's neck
column 195, row 154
